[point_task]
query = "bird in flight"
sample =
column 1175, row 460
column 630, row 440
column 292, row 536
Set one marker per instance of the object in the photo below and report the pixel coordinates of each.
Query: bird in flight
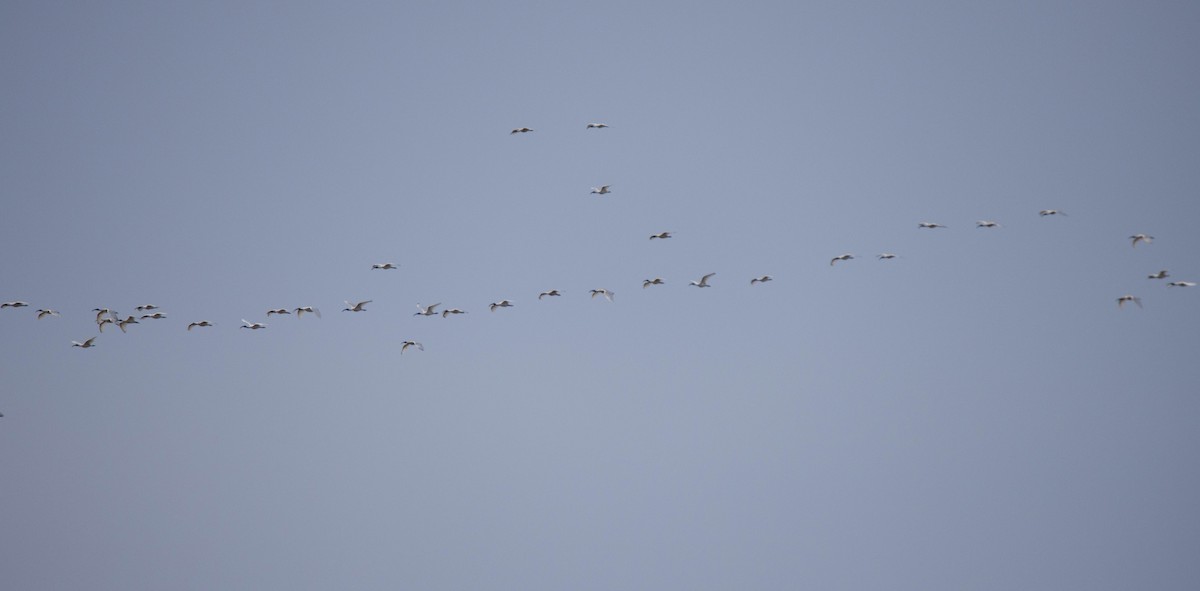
column 763, row 279
column 1128, row 298
column 930, row 225
column 126, row 322
column 427, row 310
column 311, row 310
column 604, row 292
column 408, row 344
column 986, row 224
column 648, row 282
column 1182, row 284
column 201, row 323
column 154, row 316
column 385, row 266
column 520, row 130
column 660, row 235
column 278, row 311
column 146, row 307
column 1046, row 212
column 16, row 304
column 1136, row 238
column 47, row 312
column 551, row 293
column 1159, row 275
column 359, row 307
column 500, row 304
column 252, row 325
column 885, row 256
column 703, row 282
column 86, row 344
column 101, row 322
column 446, row 313
column 840, row 257
column 601, row 190
column 596, row 125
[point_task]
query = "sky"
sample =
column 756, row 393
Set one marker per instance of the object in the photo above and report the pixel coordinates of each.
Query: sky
column 977, row 413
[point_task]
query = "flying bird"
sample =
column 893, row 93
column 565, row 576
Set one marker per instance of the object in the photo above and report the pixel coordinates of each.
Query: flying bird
column 16, row 304
column 604, row 292
column 1159, row 275
column 660, row 235
column 596, row 125
column 1046, row 212
column 1136, row 238
column 385, row 266
column 311, row 310
column 280, row 311
column 601, row 190
column 520, row 130
column 551, row 293
column 885, row 256
column 500, row 304
column 763, row 279
column 408, row 344
column 427, row 310
column 252, row 325
column 359, row 307
column 1182, row 284
column 101, row 322
column 648, row 282
column 840, row 257
column 201, row 323
column 44, row 313
column 126, row 322
column 146, row 307
column 703, row 282
column 929, row 225
column 1128, row 298
column 446, row 313
column 154, row 316
column 86, row 344
column 986, row 224
column 100, row 312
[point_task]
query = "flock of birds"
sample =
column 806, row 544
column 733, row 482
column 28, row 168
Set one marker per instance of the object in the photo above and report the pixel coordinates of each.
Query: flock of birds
column 151, row 312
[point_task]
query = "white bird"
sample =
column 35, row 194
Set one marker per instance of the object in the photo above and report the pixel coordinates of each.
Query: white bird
column 385, row 266
column 1046, row 212
column 86, row 344
column 126, row 322
column 446, row 313
column 201, row 323
column 763, row 279
column 1128, row 298
column 500, row 304
column 146, row 307
column 660, row 235
column 427, row 310
column 601, row 190
column 604, row 292
column 279, row 311
column 1182, row 284
column 551, row 293
column 408, row 344
column 17, row 304
column 44, row 313
column 311, row 310
column 840, row 257
column 252, row 325
column 648, row 282
column 929, row 225
column 596, row 125
column 986, row 224
column 1159, row 275
column 884, row 256
column 101, row 322
column 520, row 130
column 703, row 282
column 100, row 312
column 359, row 307
column 154, row 316
column 1136, row 238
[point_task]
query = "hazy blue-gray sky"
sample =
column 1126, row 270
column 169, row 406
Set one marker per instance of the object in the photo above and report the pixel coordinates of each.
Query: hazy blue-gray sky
column 975, row 414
